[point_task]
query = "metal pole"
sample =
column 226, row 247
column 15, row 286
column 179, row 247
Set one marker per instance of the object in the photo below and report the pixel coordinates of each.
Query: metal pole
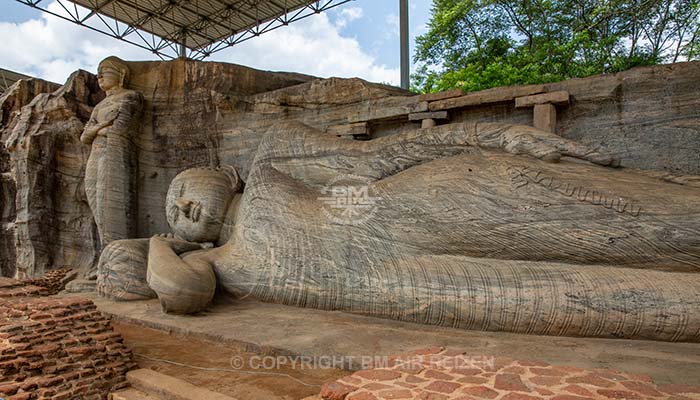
column 183, row 47
column 405, row 61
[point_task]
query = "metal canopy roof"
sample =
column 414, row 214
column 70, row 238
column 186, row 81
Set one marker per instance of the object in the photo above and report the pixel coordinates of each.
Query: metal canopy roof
column 169, row 28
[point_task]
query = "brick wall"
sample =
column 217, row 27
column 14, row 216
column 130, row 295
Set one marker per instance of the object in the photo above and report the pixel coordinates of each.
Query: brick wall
column 57, row 348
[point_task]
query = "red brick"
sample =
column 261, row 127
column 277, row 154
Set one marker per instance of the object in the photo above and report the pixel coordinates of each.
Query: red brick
column 414, row 379
column 591, row 379
column 481, row 392
column 569, row 369
column 548, row 381
column 106, row 336
column 466, row 371
column 122, row 384
column 510, row 382
column 405, row 385
column 570, row 397
column 336, row 391
column 432, row 374
column 576, row 389
column 45, row 392
column 548, row 371
column 619, row 394
column 83, row 350
column 513, row 370
column 362, row 396
column 9, row 389
column 49, row 381
column 431, row 396
column 28, row 386
column 473, row 380
column 443, row 386
column 350, row 380
column 502, row 362
column 395, row 394
column 519, row 396
column 543, row 391
column 409, row 367
column 378, row 374
column 62, row 396
column 374, row 386
column 21, row 396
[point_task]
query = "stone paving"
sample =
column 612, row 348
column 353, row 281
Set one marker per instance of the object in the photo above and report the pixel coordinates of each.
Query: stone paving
column 445, row 374
column 58, row 349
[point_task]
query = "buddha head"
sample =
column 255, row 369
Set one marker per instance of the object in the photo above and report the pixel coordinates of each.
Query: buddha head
column 112, row 73
column 198, row 200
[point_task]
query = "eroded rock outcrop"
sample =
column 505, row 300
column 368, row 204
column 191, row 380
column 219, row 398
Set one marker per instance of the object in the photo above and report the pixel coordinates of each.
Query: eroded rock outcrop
column 53, row 227
column 211, row 114
column 11, row 102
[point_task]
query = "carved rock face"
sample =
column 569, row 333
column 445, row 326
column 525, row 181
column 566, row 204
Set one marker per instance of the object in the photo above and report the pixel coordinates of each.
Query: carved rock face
column 197, row 203
column 108, row 79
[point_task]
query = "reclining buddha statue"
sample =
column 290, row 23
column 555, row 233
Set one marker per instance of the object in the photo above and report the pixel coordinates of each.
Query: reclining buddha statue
column 471, row 225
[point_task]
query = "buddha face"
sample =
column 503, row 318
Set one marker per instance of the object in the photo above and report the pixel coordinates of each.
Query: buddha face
column 112, row 73
column 108, row 78
column 197, row 203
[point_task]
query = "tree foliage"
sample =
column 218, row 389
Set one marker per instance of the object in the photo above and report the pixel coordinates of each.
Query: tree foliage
column 477, row 44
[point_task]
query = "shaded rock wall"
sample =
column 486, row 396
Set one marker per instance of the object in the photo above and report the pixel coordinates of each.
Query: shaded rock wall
column 11, row 103
column 649, row 117
column 207, row 114
column 53, row 226
column 186, row 104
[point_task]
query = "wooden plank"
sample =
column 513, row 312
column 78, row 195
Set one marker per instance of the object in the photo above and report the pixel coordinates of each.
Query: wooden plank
column 428, row 115
column 489, row 96
column 545, row 117
column 388, row 108
column 442, row 95
column 558, row 98
column 358, row 128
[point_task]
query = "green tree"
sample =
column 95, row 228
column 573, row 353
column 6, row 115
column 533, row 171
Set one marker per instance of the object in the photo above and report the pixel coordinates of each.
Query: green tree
column 477, row 44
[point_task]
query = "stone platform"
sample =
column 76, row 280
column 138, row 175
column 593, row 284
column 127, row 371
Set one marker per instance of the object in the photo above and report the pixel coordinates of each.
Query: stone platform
column 448, row 374
column 273, row 329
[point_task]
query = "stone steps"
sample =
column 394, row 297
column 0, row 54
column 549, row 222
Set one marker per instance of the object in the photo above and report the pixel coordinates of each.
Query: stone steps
column 147, row 384
column 130, row 394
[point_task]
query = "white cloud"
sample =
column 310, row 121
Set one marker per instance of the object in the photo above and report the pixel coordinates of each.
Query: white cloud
column 393, row 24
column 52, row 48
column 348, row 15
column 313, row 46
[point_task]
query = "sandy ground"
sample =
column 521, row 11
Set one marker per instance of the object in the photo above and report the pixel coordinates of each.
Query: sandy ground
column 225, row 369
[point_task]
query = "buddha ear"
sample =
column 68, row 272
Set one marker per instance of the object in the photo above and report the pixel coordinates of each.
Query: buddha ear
column 123, row 78
column 232, row 175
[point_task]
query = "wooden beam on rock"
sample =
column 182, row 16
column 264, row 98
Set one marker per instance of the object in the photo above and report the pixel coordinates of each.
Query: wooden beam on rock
column 489, row 96
column 557, row 98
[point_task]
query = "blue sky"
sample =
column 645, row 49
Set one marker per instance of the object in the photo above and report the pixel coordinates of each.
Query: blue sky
column 359, row 38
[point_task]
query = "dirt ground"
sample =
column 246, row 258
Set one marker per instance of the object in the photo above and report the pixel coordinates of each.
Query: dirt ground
column 258, row 327
column 224, row 369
